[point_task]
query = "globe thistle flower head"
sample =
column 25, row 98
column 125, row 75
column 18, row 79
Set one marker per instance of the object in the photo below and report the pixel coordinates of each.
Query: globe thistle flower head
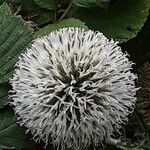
column 73, row 88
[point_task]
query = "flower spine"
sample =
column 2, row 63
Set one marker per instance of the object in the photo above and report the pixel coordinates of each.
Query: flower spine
column 73, row 88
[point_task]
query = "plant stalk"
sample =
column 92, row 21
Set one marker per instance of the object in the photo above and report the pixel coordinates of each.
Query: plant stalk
column 65, row 12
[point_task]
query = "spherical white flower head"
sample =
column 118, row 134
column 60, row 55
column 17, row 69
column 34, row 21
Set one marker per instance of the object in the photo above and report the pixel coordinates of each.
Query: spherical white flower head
column 73, row 88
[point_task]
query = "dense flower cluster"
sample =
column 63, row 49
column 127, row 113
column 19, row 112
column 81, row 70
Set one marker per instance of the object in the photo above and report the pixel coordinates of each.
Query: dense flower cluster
column 73, row 88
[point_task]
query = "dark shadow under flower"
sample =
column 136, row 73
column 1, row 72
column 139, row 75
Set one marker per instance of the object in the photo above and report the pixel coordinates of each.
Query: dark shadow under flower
column 143, row 103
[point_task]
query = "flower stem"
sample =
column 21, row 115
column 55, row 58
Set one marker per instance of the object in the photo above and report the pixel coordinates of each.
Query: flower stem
column 142, row 122
column 65, row 12
column 55, row 11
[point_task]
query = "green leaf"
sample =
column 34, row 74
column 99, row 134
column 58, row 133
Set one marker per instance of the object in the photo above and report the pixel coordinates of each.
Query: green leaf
column 48, row 4
column 3, row 96
column 31, row 11
column 121, row 21
column 64, row 23
column 12, row 136
column 14, row 38
column 91, row 3
column 146, row 145
column 139, row 47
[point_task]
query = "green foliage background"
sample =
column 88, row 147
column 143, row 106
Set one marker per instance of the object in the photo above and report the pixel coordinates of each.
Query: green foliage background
column 126, row 21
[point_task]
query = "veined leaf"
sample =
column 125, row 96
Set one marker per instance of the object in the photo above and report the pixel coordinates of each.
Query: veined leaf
column 14, row 38
column 64, row 23
column 122, row 21
column 12, row 136
column 3, row 96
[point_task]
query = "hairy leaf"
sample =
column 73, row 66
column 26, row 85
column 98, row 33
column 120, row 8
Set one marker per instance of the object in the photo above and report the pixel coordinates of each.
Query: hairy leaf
column 3, row 96
column 121, row 21
column 64, row 23
column 12, row 136
column 90, row 3
column 14, row 38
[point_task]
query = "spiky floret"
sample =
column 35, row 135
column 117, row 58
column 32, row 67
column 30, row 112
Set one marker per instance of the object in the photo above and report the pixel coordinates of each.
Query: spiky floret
column 73, row 88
